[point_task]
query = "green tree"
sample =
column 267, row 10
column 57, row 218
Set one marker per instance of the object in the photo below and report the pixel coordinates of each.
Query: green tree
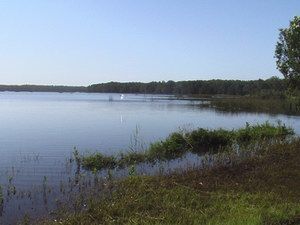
column 287, row 53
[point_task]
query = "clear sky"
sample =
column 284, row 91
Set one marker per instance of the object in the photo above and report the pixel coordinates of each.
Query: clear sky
column 79, row 42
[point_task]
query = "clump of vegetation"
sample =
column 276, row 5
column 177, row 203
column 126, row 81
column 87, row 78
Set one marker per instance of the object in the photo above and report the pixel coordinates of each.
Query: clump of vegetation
column 175, row 146
column 262, row 131
column 199, row 142
column 98, row 161
column 130, row 158
column 203, row 140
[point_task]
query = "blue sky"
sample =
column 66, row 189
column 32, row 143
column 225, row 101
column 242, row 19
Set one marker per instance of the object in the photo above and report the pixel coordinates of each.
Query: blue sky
column 75, row 42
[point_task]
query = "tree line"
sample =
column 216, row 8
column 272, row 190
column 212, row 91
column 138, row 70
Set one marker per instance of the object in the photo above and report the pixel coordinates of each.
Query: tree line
column 273, row 86
column 42, row 88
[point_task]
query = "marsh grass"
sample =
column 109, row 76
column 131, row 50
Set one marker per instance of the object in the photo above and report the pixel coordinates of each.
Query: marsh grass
column 262, row 131
column 178, row 144
column 98, row 161
column 262, row 189
column 286, row 106
column 130, row 158
column 174, row 146
column 203, row 140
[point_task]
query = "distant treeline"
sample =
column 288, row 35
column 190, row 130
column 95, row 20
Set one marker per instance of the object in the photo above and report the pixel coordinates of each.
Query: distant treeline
column 273, row 86
column 42, row 88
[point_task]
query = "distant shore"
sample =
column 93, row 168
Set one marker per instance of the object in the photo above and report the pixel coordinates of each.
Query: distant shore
column 272, row 87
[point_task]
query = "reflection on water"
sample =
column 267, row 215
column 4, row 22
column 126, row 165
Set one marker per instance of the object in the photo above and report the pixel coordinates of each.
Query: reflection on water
column 38, row 132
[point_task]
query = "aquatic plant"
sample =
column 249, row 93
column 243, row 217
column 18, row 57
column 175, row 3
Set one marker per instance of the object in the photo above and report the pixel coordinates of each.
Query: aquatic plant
column 203, row 140
column 262, row 131
column 199, row 142
column 130, row 158
column 174, row 146
column 98, row 161
column 76, row 156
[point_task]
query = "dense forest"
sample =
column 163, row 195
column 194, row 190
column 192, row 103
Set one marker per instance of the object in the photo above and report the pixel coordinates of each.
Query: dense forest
column 42, row 88
column 273, row 86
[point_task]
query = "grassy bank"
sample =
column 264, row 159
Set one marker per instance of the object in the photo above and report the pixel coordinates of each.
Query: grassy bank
column 200, row 141
column 262, row 189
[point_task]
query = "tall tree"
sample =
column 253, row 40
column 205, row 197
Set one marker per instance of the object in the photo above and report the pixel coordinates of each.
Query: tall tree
column 287, row 53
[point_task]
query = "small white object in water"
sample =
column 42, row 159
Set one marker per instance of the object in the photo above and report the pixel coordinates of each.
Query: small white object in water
column 121, row 96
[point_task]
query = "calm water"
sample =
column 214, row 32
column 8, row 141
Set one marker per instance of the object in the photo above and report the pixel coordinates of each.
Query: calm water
column 38, row 132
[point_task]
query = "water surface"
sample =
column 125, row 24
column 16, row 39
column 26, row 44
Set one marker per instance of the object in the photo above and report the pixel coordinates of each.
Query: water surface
column 38, row 132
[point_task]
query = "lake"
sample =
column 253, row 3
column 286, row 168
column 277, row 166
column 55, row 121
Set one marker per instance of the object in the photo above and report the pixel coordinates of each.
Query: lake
column 38, row 133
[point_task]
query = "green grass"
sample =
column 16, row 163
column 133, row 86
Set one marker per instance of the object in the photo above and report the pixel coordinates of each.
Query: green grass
column 199, row 142
column 263, row 189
